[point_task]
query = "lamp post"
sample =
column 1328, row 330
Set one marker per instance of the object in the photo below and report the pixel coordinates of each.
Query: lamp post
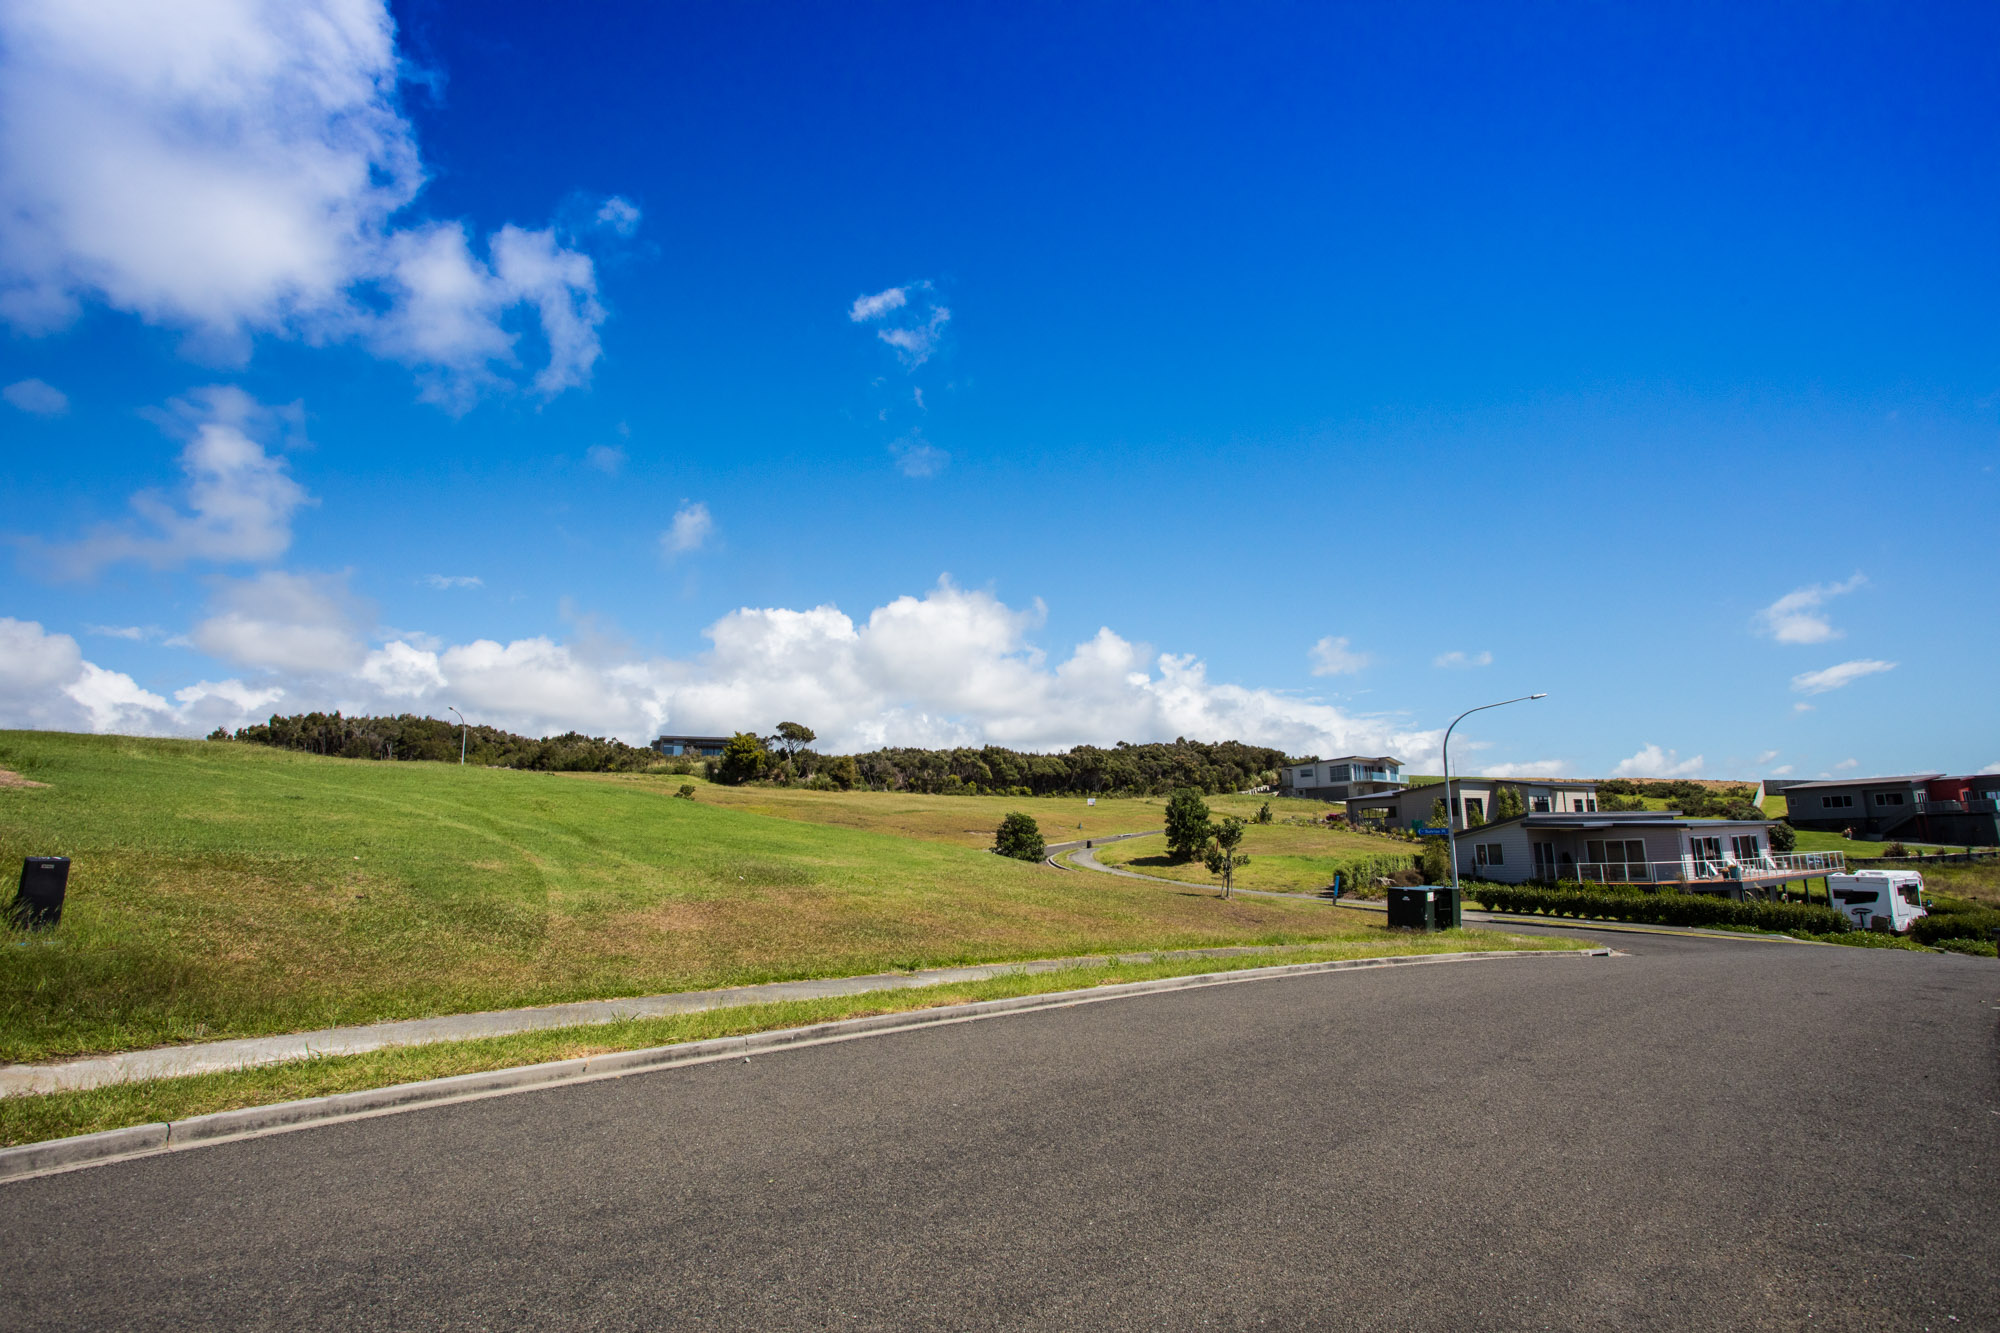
column 1450, row 808
column 461, row 744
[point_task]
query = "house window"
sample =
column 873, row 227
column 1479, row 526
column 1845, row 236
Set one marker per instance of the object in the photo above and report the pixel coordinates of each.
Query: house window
column 1617, row 860
column 1888, row 798
column 1338, row 773
column 1593, row 803
column 1705, row 849
column 1835, row 802
column 1492, row 854
column 1475, row 808
column 1306, row 774
column 1745, row 847
column 1538, row 805
column 1545, row 859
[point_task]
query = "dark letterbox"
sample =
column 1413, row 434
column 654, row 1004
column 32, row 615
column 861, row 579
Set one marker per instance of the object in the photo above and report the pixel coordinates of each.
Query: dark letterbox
column 1448, row 908
column 39, row 900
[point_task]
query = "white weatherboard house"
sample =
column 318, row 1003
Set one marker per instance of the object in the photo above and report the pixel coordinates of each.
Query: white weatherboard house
column 1338, row 779
column 1636, row 847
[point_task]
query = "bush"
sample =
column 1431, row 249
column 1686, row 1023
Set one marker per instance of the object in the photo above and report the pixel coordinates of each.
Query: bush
column 743, row 758
column 686, row 793
column 1020, row 837
column 1897, row 849
column 1187, row 824
column 1784, row 837
column 1975, row 924
column 1658, row 907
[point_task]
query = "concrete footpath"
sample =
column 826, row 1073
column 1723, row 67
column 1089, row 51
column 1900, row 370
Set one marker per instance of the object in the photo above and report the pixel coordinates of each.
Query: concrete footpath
column 250, row 1052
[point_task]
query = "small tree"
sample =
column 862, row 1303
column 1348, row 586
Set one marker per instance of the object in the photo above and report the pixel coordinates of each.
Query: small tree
column 1783, row 838
column 1221, row 856
column 1021, row 838
column 686, row 793
column 1264, row 813
column 1438, row 815
column 1436, row 862
column 742, row 759
column 1187, row 824
column 843, row 771
column 793, row 737
column 1507, row 803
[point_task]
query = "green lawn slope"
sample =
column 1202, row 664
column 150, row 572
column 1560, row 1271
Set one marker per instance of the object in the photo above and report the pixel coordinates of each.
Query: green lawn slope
column 222, row 889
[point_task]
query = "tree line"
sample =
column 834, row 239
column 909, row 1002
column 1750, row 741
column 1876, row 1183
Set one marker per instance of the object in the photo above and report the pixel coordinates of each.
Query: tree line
column 409, row 737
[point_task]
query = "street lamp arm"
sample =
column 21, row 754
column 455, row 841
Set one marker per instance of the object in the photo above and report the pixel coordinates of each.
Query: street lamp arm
column 1450, row 808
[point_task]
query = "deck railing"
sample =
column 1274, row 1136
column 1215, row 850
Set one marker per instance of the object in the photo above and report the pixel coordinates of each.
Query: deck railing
column 1710, row 870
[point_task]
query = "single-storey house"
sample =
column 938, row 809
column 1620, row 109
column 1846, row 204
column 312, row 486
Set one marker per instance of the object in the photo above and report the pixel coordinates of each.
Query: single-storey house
column 1338, row 779
column 1923, row 807
column 1635, row 847
column 706, row 747
column 1411, row 807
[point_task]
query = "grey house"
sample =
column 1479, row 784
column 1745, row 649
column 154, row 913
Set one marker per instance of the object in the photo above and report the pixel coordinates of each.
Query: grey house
column 1652, row 847
column 707, row 747
column 1411, row 806
column 1338, row 779
column 1923, row 807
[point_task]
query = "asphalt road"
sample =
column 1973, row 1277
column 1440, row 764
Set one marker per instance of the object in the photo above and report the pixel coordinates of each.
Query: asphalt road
column 1706, row 1134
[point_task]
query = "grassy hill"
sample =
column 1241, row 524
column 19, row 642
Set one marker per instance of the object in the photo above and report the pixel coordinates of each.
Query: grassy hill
column 1284, row 858
column 222, row 889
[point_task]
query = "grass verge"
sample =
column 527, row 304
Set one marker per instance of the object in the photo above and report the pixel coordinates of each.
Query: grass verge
column 36, row 1118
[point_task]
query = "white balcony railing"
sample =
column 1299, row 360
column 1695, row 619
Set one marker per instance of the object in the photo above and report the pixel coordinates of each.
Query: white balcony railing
column 1709, row 870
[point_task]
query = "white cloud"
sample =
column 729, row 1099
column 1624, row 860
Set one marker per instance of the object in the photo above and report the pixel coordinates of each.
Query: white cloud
column 1847, row 766
column 1333, row 657
column 1533, row 768
column 917, row 457
column 606, row 458
column 300, row 624
column 914, row 335
column 620, row 215
column 949, row 667
column 446, row 582
column 1782, row 771
column 239, row 500
column 1460, row 659
column 1653, row 762
column 1836, row 677
column 692, row 526
column 1802, row 707
column 1991, row 768
column 237, row 168
column 1767, row 756
column 46, row 683
column 37, row 396
column 1796, row 617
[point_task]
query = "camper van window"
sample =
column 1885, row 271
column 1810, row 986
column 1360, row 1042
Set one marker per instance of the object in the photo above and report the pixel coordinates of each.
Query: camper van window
column 1857, row 895
column 1911, row 894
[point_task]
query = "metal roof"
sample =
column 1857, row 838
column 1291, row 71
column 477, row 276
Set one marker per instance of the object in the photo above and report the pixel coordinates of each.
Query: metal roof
column 1862, row 782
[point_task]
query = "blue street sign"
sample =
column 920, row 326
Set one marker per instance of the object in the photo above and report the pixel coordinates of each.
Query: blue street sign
column 1426, row 831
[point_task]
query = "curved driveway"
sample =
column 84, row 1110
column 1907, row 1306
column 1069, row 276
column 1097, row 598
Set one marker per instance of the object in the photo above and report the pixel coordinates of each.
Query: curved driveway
column 1701, row 1134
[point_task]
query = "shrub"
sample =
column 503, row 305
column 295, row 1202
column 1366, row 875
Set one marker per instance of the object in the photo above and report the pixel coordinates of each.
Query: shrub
column 1020, row 837
column 1976, row 924
column 1977, row 948
column 1784, row 837
column 686, row 793
column 1187, row 824
column 1658, row 907
column 1897, row 849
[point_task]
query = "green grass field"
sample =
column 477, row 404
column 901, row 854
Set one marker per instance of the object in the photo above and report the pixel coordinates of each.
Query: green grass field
column 222, row 890
column 1284, row 858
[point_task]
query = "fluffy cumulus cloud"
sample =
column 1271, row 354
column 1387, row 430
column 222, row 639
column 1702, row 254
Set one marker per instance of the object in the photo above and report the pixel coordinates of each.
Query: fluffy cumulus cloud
column 241, row 167
column 1336, row 657
column 1653, row 762
column 908, row 318
column 236, row 501
column 1782, row 771
column 1799, row 616
column 1840, row 676
column 953, row 666
column 1462, row 659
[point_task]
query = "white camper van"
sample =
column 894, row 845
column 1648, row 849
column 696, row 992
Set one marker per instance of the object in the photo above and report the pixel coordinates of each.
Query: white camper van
column 1893, row 897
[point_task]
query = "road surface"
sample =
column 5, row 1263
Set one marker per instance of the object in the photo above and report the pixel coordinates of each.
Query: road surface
column 1704, row 1134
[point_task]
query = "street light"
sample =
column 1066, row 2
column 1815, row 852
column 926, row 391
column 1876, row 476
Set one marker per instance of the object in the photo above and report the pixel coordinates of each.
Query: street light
column 1450, row 808
column 461, row 745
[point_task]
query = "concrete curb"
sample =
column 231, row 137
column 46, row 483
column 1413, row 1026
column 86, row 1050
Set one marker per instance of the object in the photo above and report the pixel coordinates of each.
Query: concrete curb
column 120, row 1145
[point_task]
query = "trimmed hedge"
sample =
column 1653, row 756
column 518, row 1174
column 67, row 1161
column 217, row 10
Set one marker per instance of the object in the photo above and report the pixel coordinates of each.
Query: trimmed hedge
column 1977, row 924
column 1658, row 907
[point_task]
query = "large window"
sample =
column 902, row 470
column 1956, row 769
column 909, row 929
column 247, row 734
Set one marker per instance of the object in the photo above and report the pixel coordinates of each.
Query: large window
column 1538, row 805
column 1616, row 860
column 1490, row 854
column 1305, row 775
column 1338, row 772
column 1836, row 802
column 1745, row 847
column 1888, row 798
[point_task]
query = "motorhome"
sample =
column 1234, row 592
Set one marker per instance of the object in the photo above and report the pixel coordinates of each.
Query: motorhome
column 1893, row 898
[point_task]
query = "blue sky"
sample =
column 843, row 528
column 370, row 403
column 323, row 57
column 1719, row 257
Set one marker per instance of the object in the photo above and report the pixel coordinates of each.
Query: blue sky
column 1033, row 375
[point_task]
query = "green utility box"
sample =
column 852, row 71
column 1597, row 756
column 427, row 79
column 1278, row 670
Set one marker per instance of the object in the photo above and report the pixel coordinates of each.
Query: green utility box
column 1426, row 907
column 1413, row 909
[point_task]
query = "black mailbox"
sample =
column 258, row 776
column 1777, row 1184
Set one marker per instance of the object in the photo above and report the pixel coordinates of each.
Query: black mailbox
column 39, row 900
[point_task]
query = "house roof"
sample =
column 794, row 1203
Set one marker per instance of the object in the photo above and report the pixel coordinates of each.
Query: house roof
column 1862, row 782
column 1608, row 819
column 1512, row 782
column 1350, row 759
